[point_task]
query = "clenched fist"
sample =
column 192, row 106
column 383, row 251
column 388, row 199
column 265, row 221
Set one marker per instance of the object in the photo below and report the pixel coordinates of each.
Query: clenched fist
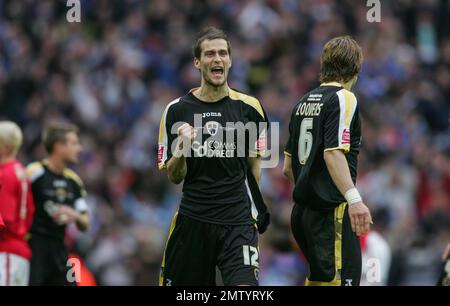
column 186, row 134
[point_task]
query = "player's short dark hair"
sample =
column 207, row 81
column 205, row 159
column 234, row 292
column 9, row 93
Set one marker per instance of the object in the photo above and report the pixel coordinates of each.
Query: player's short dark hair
column 209, row 33
column 56, row 133
column 341, row 60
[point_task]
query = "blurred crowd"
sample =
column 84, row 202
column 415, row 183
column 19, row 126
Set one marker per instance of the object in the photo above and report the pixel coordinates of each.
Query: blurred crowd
column 113, row 73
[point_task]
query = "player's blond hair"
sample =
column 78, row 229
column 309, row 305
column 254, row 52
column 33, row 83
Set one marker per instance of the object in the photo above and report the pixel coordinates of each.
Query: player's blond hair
column 11, row 135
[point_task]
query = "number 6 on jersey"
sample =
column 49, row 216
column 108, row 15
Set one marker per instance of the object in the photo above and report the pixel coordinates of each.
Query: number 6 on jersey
column 305, row 140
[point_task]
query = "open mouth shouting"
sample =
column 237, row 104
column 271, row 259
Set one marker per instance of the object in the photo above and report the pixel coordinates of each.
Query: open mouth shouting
column 217, row 71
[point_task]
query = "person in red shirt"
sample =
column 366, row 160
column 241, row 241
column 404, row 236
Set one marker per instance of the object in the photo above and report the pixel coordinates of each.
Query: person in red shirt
column 16, row 209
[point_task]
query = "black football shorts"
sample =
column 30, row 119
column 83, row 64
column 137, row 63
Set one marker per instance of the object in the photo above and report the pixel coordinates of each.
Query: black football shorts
column 48, row 265
column 194, row 249
column 330, row 246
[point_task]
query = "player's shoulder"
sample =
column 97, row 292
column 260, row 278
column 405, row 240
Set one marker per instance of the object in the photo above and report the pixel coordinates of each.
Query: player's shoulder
column 73, row 176
column 19, row 170
column 13, row 169
column 335, row 95
column 174, row 105
column 346, row 94
column 328, row 91
column 346, row 99
column 11, row 166
column 248, row 100
column 240, row 96
column 34, row 170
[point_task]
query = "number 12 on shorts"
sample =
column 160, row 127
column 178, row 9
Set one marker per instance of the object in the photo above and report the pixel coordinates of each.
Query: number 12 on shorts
column 251, row 255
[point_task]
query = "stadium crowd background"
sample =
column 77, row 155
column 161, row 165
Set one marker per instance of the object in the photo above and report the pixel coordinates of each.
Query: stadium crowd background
column 113, row 73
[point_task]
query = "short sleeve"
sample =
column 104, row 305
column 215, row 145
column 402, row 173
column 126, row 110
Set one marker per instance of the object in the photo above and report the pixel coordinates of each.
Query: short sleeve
column 80, row 203
column 259, row 116
column 166, row 138
column 337, row 120
column 290, row 142
column 80, row 200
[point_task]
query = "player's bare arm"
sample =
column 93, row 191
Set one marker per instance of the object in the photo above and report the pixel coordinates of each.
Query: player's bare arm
column 255, row 166
column 337, row 165
column 82, row 221
column 287, row 168
column 176, row 167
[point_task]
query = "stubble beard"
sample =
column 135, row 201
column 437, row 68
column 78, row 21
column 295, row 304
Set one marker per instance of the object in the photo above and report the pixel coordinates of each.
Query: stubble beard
column 211, row 83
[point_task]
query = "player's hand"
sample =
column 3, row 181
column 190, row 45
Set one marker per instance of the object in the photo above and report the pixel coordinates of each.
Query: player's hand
column 65, row 215
column 360, row 218
column 446, row 252
column 186, row 133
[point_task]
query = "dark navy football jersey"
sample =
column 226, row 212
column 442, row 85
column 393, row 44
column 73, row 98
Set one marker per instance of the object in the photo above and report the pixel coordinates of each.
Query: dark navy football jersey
column 327, row 118
column 49, row 190
column 215, row 187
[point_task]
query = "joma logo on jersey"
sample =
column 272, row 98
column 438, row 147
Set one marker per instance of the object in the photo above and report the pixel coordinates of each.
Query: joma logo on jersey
column 59, row 184
column 211, row 114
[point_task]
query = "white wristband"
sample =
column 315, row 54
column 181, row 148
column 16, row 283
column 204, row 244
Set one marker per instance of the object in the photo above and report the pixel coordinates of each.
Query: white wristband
column 352, row 196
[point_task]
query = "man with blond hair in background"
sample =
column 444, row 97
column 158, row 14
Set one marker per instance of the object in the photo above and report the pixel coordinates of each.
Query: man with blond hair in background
column 16, row 209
